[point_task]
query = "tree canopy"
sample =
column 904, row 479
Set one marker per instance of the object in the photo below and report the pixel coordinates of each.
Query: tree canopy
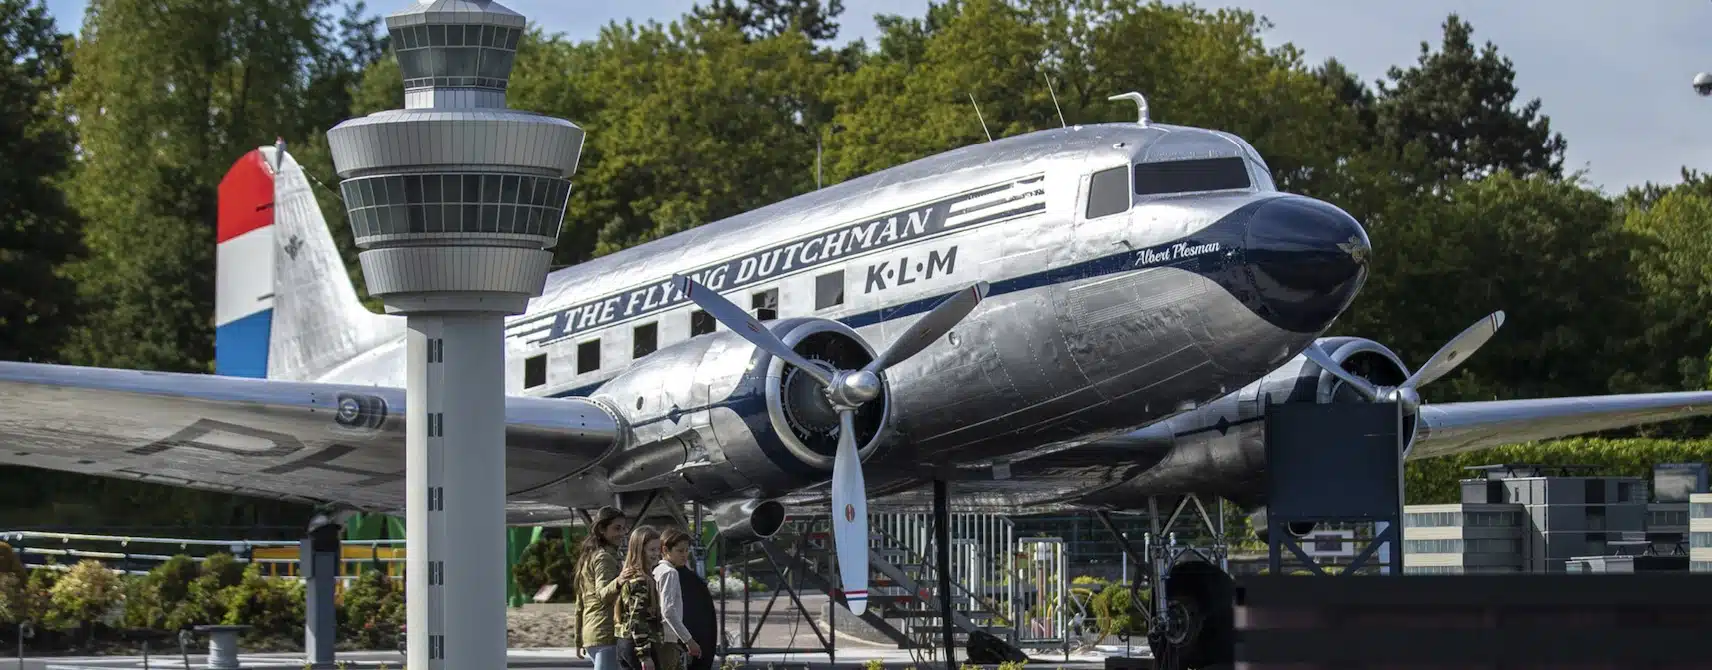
column 112, row 144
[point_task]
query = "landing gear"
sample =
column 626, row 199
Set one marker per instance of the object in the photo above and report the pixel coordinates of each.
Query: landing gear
column 1190, row 613
column 1197, row 627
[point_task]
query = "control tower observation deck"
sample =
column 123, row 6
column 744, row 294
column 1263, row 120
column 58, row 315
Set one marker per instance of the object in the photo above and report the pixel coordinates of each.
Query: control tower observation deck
column 456, row 203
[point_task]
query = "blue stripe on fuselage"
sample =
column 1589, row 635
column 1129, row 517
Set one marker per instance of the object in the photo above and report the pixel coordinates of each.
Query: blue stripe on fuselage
column 1225, row 268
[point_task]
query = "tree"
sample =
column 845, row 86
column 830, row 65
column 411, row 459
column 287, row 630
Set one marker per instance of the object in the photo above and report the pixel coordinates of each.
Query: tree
column 168, row 94
column 761, row 19
column 1673, row 260
column 1459, row 105
column 38, row 229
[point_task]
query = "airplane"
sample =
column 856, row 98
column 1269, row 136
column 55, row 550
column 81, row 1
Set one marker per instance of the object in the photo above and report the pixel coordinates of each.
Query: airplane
column 1073, row 318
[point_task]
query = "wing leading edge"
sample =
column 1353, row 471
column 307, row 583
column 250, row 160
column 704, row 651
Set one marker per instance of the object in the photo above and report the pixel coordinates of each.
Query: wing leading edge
column 269, row 438
column 1454, row 428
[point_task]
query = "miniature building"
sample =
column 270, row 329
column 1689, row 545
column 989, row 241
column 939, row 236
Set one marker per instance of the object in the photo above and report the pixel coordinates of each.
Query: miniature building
column 1530, row 518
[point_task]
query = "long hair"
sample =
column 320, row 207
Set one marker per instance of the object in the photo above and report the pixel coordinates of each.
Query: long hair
column 595, row 540
column 636, row 559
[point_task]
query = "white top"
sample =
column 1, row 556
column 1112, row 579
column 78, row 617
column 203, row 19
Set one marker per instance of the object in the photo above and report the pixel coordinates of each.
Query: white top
column 671, row 601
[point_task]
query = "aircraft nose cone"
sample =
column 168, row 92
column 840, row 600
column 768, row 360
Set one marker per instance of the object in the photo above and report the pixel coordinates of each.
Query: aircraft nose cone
column 1307, row 260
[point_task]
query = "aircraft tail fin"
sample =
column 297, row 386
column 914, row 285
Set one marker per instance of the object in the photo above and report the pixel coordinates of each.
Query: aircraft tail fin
column 284, row 304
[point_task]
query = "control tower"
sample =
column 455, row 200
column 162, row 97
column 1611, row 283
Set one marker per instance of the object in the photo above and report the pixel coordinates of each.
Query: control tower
column 456, row 202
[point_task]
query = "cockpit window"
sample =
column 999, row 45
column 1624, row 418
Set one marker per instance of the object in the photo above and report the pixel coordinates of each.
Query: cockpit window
column 1108, row 192
column 1189, row 176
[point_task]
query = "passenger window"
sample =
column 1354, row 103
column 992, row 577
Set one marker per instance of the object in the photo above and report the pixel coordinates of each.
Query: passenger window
column 588, row 356
column 644, row 340
column 1190, row 176
column 829, row 290
column 701, row 323
column 1108, row 192
column 535, row 371
column 765, row 304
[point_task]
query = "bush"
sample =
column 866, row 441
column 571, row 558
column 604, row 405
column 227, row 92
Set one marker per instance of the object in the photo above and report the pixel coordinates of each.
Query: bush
column 1116, row 613
column 547, row 561
column 271, row 607
column 10, row 564
column 203, row 603
column 371, row 611
column 86, row 594
column 152, row 599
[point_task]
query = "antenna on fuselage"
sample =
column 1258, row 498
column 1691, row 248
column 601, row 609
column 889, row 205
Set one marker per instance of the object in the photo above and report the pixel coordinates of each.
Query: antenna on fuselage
column 982, row 119
column 1140, row 104
column 1061, row 123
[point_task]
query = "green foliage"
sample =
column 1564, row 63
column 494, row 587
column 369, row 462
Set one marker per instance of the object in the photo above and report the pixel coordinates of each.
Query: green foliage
column 269, row 606
column 153, row 599
column 547, row 561
column 10, row 564
column 87, row 593
column 1115, row 611
column 373, row 610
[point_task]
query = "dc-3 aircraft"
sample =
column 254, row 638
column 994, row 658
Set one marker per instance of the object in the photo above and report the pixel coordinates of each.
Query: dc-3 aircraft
column 1073, row 318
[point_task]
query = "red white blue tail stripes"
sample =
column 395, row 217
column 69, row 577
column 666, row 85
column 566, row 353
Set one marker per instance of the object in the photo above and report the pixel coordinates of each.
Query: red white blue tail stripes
column 244, row 286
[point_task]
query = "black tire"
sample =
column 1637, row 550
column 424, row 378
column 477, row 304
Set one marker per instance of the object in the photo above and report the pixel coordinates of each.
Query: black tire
column 1207, row 638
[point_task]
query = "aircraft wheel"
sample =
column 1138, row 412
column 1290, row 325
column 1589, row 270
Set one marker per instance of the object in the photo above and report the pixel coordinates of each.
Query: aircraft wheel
column 1201, row 632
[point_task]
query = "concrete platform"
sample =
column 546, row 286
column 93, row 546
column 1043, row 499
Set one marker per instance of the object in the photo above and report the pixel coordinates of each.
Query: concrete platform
column 541, row 659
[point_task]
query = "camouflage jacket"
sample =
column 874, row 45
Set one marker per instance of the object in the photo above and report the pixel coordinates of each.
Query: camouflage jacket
column 638, row 614
column 597, row 589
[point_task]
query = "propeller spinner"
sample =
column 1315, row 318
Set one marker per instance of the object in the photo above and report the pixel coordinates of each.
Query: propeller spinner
column 847, row 391
column 1407, row 394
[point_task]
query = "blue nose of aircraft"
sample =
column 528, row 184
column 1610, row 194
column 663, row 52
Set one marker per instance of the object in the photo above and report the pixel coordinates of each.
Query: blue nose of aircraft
column 1307, row 260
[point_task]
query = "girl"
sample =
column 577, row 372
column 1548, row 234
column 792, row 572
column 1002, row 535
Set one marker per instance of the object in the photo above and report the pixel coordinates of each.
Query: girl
column 638, row 608
column 597, row 587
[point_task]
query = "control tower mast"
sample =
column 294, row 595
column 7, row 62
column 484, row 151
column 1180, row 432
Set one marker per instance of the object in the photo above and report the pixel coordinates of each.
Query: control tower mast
column 456, row 202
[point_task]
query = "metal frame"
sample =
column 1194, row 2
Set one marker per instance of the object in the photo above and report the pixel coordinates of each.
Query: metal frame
column 780, row 561
column 1161, row 552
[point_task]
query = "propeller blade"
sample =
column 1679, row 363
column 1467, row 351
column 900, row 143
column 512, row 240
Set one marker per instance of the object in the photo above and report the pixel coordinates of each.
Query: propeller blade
column 933, row 326
column 1319, row 357
column 1457, row 350
column 743, row 324
column 850, row 515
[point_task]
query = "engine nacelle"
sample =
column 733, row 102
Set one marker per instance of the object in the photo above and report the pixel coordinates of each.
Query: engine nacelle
column 719, row 401
column 749, row 519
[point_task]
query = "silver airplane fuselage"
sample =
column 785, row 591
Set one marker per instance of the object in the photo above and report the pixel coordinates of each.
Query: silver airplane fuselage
column 1136, row 272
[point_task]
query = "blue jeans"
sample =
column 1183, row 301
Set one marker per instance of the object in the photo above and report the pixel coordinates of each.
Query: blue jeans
column 605, row 657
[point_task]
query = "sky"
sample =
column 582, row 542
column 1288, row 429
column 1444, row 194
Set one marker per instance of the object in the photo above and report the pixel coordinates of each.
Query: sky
column 1614, row 79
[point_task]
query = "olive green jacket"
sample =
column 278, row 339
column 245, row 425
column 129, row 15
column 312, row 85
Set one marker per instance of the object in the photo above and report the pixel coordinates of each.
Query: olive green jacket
column 597, row 590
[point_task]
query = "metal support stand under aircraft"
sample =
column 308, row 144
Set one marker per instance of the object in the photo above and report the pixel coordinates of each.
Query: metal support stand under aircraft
column 942, row 566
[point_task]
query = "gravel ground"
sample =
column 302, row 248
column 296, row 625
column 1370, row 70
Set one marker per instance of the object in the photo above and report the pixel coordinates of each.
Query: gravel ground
column 526, row 629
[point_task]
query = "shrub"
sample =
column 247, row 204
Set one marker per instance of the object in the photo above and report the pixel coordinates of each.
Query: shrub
column 202, row 603
column 371, row 610
column 544, row 562
column 87, row 593
column 10, row 564
column 151, row 600
column 269, row 606
column 1116, row 612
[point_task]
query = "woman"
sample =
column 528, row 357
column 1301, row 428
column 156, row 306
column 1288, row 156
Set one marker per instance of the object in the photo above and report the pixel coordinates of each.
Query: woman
column 638, row 609
column 675, row 553
column 597, row 587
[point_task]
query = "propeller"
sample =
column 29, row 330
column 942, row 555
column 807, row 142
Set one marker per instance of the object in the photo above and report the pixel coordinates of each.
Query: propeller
column 846, row 391
column 1446, row 359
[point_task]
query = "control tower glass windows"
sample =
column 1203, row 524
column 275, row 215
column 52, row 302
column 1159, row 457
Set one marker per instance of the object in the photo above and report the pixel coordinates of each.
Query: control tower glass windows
column 455, row 55
column 456, row 203
column 1108, row 192
column 1191, row 176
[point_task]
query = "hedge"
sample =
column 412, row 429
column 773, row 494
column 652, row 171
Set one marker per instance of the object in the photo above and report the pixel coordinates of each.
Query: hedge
column 90, row 598
column 1436, row 480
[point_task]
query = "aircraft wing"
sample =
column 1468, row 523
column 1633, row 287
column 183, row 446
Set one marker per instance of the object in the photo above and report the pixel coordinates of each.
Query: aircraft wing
column 1453, row 428
column 269, row 438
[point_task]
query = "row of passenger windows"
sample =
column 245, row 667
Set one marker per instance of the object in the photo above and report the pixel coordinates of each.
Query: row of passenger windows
column 645, row 338
column 1109, row 191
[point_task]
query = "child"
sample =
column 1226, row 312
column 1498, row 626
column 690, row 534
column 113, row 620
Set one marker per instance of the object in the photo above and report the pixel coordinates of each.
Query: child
column 637, row 612
column 675, row 553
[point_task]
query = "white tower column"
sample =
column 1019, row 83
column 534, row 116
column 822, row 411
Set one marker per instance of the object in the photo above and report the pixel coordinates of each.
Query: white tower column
column 456, row 202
